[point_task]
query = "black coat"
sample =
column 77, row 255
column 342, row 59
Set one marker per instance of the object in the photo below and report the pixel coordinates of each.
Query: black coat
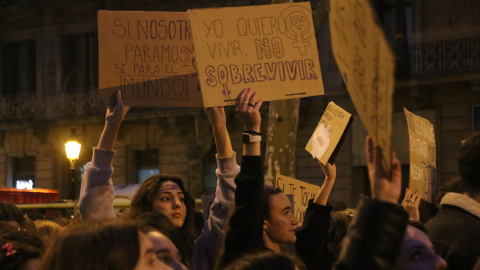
column 455, row 231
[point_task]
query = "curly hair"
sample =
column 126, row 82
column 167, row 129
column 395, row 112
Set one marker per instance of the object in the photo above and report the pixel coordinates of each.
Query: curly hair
column 146, row 194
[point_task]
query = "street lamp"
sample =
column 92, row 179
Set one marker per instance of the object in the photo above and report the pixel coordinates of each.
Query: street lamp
column 72, row 148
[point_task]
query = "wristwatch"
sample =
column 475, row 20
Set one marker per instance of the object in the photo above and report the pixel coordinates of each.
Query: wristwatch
column 251, row 137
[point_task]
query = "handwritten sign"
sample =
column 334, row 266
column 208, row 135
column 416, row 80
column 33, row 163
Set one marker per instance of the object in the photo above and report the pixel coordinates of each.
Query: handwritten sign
column 329, row 133
column 270, row 48
column 367, row 67
column 149, row 56
column 423, row 160
column 302, row 192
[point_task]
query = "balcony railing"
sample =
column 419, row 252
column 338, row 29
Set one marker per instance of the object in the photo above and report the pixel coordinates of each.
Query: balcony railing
column 448, row 57
column 63, row 106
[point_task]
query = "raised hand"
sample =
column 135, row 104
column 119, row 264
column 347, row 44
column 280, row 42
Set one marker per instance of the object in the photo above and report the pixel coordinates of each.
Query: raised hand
column 410, row 204
column 249, row 109
column 330, row 170
column 385, row 188
column 116, row 110
column 216, row 116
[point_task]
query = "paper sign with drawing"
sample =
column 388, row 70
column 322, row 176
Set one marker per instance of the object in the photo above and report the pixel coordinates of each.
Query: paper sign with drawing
column 423, row 165
column 367, row 66
column 270, row 48
column 149, row 56
column 329, row 134
column 302, row 192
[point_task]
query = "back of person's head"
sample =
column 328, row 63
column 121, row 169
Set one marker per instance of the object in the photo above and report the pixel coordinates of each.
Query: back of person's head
column 10, row 213
column 454, row 184
column 337, row 229
column 18, row 249
column 94, row 246
column 266, row 260
column 427, row 210
column 47, row 230
column 468, row 163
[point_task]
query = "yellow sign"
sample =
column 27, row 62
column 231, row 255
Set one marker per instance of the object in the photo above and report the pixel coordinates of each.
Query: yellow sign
column 367, row 67
column 149, row 56
column 423, row 161
column 270, row 48
column 328, row 134
column 302, row 192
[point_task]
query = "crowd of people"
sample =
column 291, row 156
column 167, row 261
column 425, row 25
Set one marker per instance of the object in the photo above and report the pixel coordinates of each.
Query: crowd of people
column 250, row 225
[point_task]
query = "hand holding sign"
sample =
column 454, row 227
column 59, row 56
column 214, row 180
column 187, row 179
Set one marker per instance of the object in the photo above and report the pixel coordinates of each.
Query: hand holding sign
column 384, row 187
column 266, row 47
column 249, row 109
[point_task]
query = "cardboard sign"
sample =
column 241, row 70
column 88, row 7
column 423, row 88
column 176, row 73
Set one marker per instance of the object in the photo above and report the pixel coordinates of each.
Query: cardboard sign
column 149, row 56
column 329, row 134
column 367, row 67
column 302, row 192
column 423, row 160
column 270, row 48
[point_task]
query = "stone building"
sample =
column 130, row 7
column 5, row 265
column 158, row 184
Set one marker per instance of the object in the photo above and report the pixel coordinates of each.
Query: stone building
column 49, row 86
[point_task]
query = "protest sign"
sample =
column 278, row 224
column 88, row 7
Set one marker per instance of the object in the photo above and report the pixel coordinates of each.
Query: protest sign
column 149, row 56
column 423, row 161
column 329, row 134
column 367, row 67
column 270, row 48
column 302, row 192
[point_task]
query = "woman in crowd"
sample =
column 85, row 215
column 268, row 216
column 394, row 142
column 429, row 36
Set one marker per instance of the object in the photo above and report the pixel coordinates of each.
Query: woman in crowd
column 101, row 246
column 164, row 248
column 165, row 194
column 263, row 219
column 166, row 239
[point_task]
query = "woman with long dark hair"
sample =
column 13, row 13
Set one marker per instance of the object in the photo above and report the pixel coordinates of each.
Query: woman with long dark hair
column 164, row 193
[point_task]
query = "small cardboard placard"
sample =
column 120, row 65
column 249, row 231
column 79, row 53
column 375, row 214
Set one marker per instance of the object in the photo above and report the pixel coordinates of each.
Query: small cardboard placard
column 423, row 160
column 301, row 191
column 149, row 56
column 367, row 67
column 270, row 48
column 329, row 134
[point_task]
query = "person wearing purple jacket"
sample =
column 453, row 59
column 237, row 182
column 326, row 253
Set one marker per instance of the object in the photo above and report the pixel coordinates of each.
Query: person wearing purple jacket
column 163, row 193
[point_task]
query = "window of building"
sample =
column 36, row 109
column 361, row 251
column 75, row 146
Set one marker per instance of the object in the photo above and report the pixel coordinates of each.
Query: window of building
column 147, row 164
column 23, row 171
column 18, row 68
column 79, row 62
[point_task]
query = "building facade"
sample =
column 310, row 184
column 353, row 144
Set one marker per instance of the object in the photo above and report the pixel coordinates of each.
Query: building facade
column 49, row 94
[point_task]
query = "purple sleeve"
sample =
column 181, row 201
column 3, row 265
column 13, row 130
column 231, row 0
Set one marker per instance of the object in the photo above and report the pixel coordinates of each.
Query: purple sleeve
column 96, row 192
column 207, row 246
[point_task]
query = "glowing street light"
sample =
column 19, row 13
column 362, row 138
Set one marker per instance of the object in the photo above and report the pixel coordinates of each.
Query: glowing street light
column 72, row 148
